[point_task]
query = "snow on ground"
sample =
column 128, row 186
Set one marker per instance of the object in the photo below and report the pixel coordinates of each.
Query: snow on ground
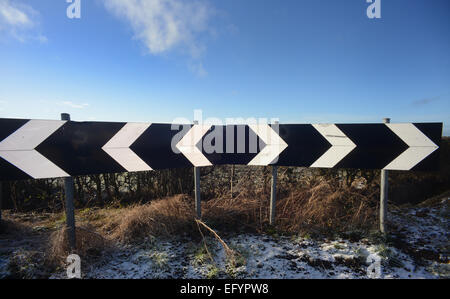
column 418, row 249
column 261, row 257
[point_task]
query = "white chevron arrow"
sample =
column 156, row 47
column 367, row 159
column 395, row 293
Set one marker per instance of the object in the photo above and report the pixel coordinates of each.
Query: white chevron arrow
column 19, row 149
column 187, row 145
column 118, row 147
column 420, row 146
column 275, row 145
column 341, row 146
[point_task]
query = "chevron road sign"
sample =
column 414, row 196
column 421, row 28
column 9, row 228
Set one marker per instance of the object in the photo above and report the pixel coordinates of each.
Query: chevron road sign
column 48, row 149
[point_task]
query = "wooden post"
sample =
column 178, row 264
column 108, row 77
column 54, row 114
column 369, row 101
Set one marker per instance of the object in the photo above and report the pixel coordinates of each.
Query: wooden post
column 384, row 186
column 273, row 192
column 198, row 203
column 70, row 208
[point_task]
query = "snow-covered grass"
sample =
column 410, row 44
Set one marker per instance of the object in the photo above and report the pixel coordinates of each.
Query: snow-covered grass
column 262, row 257
column 418, row 248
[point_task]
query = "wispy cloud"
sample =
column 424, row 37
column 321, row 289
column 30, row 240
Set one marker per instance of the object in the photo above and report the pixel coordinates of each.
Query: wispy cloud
column 73, row 105
column 426, row 101
column 198, row 69
column 19, row 21
column 165, row 25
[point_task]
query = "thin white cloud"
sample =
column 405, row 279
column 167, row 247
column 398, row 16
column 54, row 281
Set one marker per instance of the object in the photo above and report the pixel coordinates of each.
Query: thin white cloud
column 165, row 25
column 73, row 105
column 198, row 69
column 426, row 101
column 13, row 15
column 19, row 21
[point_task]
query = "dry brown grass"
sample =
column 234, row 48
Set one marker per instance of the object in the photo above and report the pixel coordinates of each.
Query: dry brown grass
column 88, row 243
column 328, row 208
column 236, row 214
column 159, row 218
column 231, row 254
column 323, row 207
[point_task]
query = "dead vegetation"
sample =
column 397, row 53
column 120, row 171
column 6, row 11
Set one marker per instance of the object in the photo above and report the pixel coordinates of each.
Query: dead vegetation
column 164, row 217
column 88, row 244
column 321, row 206
column 328, row 208
column 231, row 254
column 324, row 207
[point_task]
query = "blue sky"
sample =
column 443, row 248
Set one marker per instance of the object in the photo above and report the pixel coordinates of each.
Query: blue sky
column 302, row 61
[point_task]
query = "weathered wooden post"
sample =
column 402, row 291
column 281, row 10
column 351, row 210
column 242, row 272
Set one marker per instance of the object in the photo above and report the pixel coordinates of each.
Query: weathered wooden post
column 198, row 204
column 70, row 208
column 384, row 186
column 273, row 192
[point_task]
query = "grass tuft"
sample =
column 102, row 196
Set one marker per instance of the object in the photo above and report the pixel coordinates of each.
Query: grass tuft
column 88, row 244
column 165, row 217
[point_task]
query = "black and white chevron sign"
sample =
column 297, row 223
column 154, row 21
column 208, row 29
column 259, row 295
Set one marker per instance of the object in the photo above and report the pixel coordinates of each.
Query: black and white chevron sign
column 47, row 149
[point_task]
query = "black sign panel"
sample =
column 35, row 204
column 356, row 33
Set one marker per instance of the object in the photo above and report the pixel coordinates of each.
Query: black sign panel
column 47, row 148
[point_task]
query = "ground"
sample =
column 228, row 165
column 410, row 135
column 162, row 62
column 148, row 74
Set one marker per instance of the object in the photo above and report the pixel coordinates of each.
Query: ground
column 418, row 247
